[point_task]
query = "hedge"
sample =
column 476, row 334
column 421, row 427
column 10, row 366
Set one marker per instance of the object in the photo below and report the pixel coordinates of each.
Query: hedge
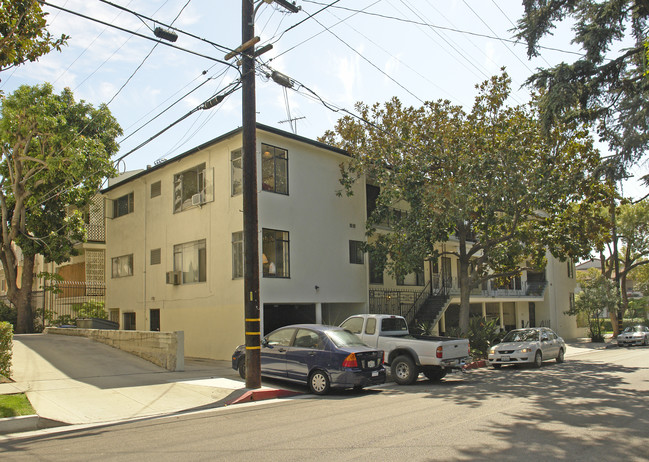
column 6, row 336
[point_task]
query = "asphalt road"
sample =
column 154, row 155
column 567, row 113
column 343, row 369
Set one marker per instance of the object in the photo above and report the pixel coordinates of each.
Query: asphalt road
column 594, row 407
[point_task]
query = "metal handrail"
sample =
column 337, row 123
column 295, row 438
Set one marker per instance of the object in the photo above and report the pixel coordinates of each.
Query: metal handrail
column 416, row 304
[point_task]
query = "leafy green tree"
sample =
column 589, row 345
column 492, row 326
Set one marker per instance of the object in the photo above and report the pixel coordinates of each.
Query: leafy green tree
column 23, row 36
column 490, row 178
column 54, row 154
column 598, row 293
column 632, row 230
column 614, row 92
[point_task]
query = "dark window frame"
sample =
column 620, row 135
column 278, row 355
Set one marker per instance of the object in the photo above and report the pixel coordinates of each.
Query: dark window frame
column 356, row 253
column 273, row 154
column 124, row 205
column 282, row 271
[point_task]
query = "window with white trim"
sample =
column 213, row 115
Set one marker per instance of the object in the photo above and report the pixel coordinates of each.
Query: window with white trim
column 193, row 187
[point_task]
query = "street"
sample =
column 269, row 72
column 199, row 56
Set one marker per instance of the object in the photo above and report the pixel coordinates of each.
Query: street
column 595, row 406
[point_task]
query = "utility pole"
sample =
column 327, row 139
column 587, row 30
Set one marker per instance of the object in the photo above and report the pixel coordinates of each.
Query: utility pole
column 250, row 222
column 249, row 164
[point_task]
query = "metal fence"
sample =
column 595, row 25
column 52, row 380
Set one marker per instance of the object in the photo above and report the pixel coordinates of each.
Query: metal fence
column 66, row 301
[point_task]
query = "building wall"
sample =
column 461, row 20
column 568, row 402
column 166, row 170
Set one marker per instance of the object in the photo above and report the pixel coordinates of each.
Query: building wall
column 211, row 313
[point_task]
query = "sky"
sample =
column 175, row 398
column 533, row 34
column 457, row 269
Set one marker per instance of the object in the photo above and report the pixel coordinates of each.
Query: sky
column 352, row 51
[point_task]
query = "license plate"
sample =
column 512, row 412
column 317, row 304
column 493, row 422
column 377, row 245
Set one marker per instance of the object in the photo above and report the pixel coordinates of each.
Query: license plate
column 375, row 373
column 371, row 364
column 505, row 358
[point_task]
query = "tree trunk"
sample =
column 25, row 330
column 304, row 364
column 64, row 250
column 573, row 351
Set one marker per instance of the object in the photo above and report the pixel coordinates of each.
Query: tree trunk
column 463, row 278
column 22, row 298
column 613, row 317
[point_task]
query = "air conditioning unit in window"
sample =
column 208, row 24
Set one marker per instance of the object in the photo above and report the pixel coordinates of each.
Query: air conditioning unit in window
column 174, row 277
column 197, row 199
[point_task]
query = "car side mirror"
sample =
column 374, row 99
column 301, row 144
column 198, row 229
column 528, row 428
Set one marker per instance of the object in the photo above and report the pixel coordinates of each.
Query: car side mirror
column 264, row 342
column 544, row 339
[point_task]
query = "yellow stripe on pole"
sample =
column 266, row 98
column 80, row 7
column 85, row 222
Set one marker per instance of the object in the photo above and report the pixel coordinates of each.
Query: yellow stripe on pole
column 253, row 333
column 253, row 348
column 252, row 319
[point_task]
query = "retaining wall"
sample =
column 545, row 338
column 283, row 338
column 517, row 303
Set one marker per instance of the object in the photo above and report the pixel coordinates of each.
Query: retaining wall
column 165, row 349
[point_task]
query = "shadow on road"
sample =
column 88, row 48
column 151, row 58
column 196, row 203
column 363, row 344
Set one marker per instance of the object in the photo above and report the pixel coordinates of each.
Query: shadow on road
column 577, row 394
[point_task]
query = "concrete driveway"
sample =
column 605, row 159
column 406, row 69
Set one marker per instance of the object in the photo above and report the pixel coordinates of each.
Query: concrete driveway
column 76, row 380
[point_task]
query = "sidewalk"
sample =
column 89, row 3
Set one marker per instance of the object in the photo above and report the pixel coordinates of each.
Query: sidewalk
column 73, row 380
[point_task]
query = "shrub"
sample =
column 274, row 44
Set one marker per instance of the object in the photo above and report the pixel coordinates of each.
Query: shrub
column 8, row 313
column 483, row 333
column 6, row 337
column 91, row 309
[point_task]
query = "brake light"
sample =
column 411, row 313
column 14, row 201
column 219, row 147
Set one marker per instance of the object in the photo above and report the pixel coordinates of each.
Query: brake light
column 350, row 361
column 439, row 351
column 382, row 357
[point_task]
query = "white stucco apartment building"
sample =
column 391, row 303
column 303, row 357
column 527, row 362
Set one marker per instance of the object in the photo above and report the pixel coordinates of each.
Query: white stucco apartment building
column 174, row 258
column 175, row 249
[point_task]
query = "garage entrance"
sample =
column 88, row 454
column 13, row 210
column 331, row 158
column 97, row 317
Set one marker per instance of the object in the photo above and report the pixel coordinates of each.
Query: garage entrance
column 276, row 316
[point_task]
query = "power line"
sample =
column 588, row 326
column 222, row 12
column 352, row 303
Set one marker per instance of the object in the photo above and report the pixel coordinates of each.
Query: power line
column 367, row 60
column 492, row 31
column 207, row 104
column 306, row 19
column 171, row 45
column 450, row 29
column 145, row 58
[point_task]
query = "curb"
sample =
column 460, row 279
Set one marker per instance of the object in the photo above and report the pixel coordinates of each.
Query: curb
column 475, row 364
column 260, row 395
column 21, row 423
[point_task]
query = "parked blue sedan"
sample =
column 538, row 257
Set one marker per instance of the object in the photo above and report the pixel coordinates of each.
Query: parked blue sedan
column 320, row 356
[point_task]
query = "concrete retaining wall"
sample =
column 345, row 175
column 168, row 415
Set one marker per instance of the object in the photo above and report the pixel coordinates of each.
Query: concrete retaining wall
column 165, row 349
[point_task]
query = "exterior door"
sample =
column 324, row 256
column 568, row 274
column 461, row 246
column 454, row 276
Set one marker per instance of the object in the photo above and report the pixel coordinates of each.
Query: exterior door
column 154, row 320
column 447, row 280
column 532, row 309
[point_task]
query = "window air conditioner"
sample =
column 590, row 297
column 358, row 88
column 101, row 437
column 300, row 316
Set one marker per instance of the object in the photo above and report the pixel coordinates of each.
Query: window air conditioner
column 173, row 277
column 197, row 199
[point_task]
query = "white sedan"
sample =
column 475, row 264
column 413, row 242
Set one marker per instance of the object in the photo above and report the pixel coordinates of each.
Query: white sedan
column 532, row 345
column 636, row 335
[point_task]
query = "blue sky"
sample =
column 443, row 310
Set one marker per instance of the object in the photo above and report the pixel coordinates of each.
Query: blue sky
column 354, row 50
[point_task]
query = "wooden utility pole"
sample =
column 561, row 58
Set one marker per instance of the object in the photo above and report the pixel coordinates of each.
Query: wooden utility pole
column 250, row 222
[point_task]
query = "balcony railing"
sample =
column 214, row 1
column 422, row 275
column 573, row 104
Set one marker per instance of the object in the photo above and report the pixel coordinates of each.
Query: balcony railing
column 489, row 289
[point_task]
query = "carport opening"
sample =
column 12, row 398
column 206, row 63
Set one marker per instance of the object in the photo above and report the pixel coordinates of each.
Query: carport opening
column 276, row 316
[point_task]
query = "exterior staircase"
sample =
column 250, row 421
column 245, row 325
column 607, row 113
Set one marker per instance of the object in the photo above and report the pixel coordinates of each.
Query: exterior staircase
column 428, row 307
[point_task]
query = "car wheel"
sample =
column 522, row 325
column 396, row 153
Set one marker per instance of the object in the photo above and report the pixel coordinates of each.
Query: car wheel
column 496, row 366
column 319, row 383
column 242, row 368
column 403, row 370
column 644, row 343
column 560, row 356
column 434, row 374
column 538, row 359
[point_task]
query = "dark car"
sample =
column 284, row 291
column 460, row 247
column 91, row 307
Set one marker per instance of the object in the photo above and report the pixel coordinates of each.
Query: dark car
column 320, row 356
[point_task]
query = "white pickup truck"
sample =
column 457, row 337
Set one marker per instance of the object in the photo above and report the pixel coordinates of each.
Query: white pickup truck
column 407, row 354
